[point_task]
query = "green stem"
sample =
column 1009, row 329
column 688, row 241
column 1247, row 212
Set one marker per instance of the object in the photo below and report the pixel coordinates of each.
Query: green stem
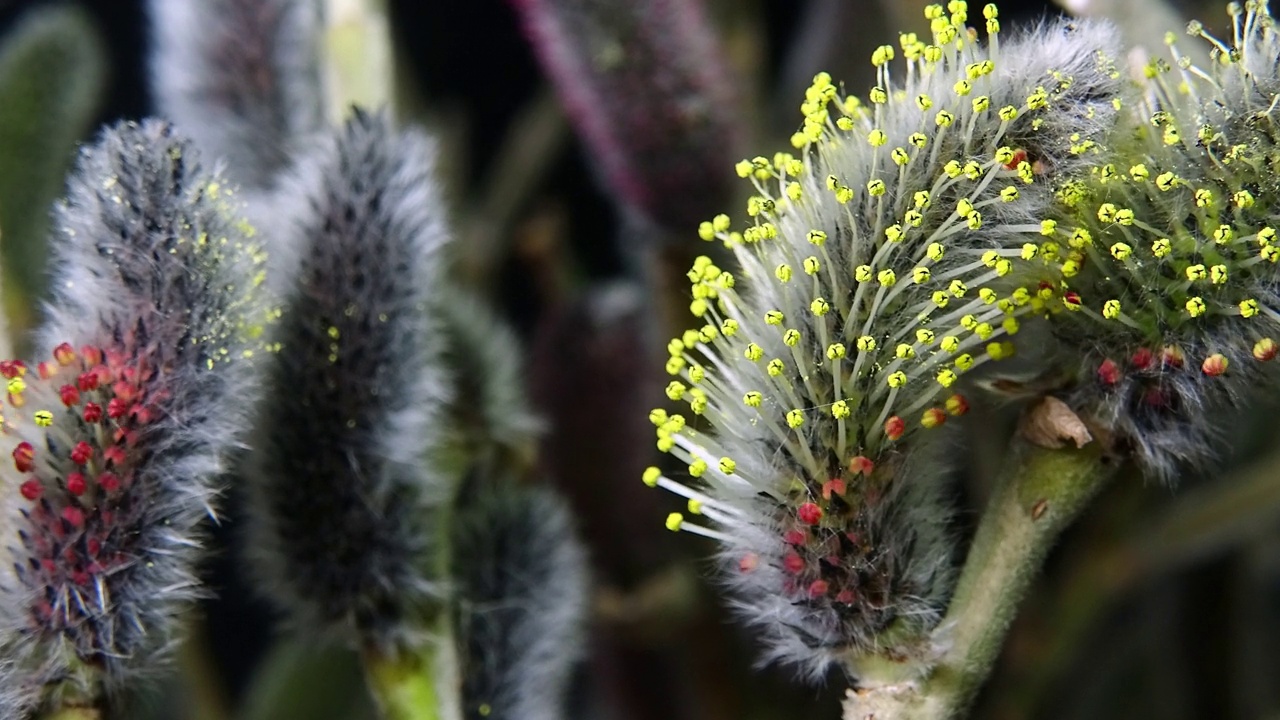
column 1033, row 503
column 403, row 685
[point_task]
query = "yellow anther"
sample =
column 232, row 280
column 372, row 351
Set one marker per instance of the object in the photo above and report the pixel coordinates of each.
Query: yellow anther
column 835, row 351
column 752, row 399
column 897, row 379
column 840, row 410
column 651, row 476
column 795, row 418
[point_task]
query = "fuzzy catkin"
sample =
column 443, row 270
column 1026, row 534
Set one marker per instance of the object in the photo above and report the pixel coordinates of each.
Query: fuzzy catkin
column 875, row 272
column 344, row 498
column 114, row 443
column 1160, row 265
column 242, row 77
column 492, row 421
column 520, row 603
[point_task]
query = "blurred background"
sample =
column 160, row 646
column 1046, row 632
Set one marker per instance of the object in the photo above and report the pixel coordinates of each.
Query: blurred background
column 1159, row 604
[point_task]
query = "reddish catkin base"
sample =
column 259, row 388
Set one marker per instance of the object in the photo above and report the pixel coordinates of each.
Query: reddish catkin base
column 79, row 459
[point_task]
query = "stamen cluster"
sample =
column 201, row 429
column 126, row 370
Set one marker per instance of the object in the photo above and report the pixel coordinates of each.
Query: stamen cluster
column 1162, row 261
column 875, row 273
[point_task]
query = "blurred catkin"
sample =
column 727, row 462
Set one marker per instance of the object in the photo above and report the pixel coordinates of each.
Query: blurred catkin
column 650, row 93
column 242, row 77
column 874, row 273
column 116, row 439
column 346, row 502
column 52, row 72
column 521, row 600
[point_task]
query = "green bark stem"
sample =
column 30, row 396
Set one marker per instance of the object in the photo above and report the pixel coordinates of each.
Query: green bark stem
column 403, row 686
column 1040, row 495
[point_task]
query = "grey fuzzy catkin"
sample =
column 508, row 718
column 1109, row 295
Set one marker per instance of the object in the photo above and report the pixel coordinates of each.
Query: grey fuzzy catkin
column 152, row 324
column 521, row 601
column 876, row 270
column 344, row 500
column 493, row 421
column 242, row 77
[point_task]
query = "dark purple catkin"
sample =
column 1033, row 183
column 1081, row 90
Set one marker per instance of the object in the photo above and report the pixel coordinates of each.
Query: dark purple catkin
column 242, row 77
column 521, row 601
column 113, row 444
column 650, row 94
column 345, row 497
